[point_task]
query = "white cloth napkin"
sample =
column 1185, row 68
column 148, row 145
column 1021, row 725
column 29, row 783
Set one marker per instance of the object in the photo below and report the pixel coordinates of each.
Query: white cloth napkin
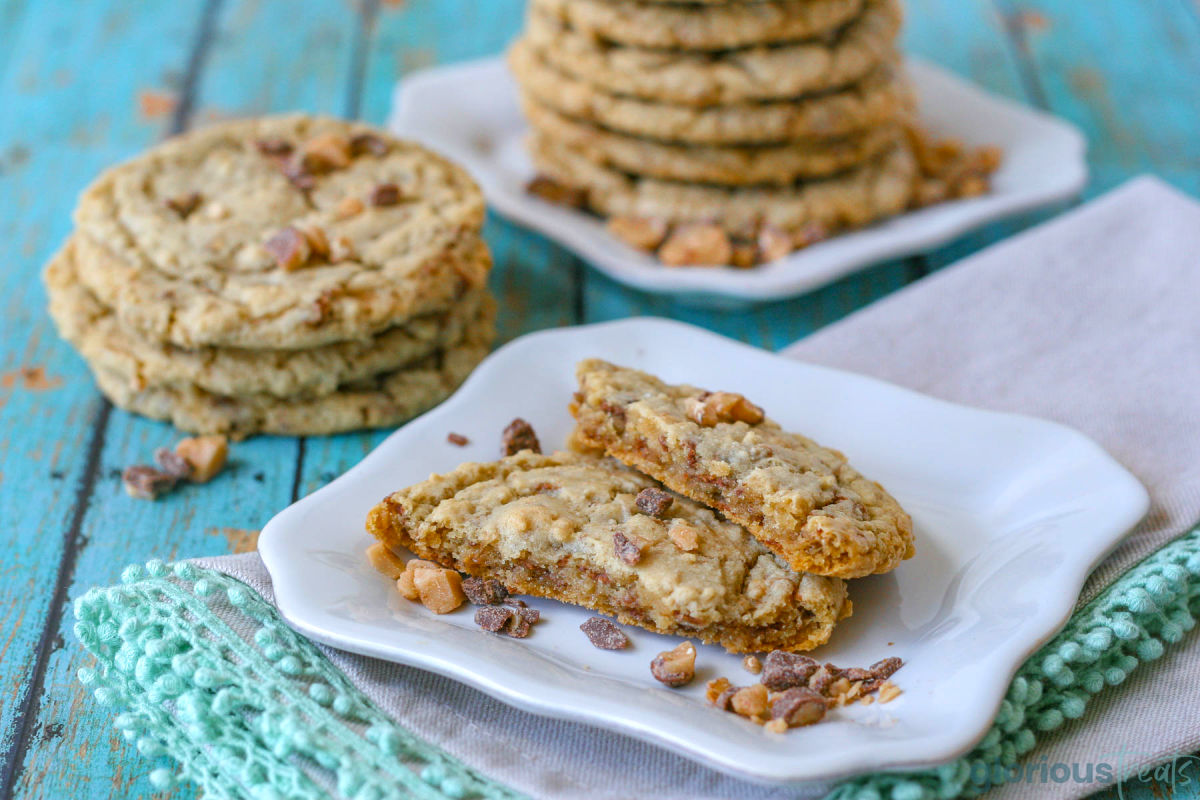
column 1090, row 320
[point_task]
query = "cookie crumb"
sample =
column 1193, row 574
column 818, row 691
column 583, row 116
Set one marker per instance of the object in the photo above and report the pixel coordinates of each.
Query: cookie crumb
column 752, row 665
column 604, row 634
column 518, row 436
column 457, row 439
column 654, row 502
column 644, row 233
column 888, row 692
column 696, row 245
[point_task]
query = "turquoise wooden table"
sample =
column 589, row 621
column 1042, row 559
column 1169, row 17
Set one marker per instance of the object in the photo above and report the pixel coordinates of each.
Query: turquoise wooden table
column 86, row 83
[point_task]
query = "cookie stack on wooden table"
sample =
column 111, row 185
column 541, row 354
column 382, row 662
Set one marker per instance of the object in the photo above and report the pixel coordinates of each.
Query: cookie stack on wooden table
column 726, row 132
column 289, row 275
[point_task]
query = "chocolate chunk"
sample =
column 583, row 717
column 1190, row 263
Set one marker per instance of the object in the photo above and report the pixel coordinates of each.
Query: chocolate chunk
column 626, row 550
column 385, row 194
column 184, row 204
column 492, row 618
column 457, row 439
column 786, row 670
column 886, row 668
column 484, row 591
column 724, row 700
column 518, row 436
column 604, row 633
column 146, row 483
column 173, row 464
column 799, row 706
column 654, row 502
column 276, row 148
column 368, row 144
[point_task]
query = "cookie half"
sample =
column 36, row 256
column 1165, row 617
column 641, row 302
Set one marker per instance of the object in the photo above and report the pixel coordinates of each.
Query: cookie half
column 723, row 77
column 568, row 526
column 279, row 232
column 804, row 502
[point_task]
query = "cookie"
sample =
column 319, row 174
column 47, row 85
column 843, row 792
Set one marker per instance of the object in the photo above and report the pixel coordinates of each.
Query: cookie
column 279, row 232
column 723, row 77
column 880, row 188
column 730, row 165
column 804, row 502
column 882, row 97
column 711, row 27
column 568, row 526
column 95, row 332
column 383, row 401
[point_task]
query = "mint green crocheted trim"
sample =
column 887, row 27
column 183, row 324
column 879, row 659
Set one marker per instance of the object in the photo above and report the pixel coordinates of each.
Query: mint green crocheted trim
column 248, row 709
column 1130, row 623
column 297, row 728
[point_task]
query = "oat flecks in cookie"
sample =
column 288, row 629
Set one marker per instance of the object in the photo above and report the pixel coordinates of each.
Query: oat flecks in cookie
column 518, row 436
column 803, row 501
column 604, row 634
column 496, row 520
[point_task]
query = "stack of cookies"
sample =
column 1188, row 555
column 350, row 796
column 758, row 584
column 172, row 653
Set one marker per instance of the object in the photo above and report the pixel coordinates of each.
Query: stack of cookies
column 729, row 132
column 288, row 275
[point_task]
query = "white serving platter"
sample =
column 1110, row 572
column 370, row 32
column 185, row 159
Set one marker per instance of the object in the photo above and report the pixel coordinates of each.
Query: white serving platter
column 469, row 112
column 1011, row 513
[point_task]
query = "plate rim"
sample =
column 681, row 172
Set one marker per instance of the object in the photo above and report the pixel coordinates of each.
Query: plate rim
column 792, row 276
column 1050, row 617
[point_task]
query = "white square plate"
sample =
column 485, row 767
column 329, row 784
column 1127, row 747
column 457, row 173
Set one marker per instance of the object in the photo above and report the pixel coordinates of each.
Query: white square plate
column 1011, row 514
column 470, row 113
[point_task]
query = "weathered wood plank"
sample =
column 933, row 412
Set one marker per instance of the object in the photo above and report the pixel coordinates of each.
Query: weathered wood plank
column 59, row 128
column 74, row 751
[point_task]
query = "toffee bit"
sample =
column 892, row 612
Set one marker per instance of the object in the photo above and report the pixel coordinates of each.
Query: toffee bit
column 146, row 483
column 675, row 667
column 368, row 144
column 290, row 248
column 654, row 502
column 626, row 549
column 173, row 463
column 799, row 706
column 457, row 439
column 752, row 665
column 604, row 634
column 325, row 153
column 552, row 191
column 385, row 194
column 184, row 204
column 493, row 618
column 520, row 625
column 783, row 670
column 515, row 602
column 484, row 591
column 275, row 148
column 518, row 436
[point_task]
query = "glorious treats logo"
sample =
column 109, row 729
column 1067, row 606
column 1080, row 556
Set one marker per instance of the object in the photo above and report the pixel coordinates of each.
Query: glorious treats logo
column 1175, row 772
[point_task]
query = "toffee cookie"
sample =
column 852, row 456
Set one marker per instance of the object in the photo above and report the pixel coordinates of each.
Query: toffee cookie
column 804, row 502
column 746, row 74
column 711, row 27
column 93, row 329
column 567, row 526
column 883, row 96
column 279, row 232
